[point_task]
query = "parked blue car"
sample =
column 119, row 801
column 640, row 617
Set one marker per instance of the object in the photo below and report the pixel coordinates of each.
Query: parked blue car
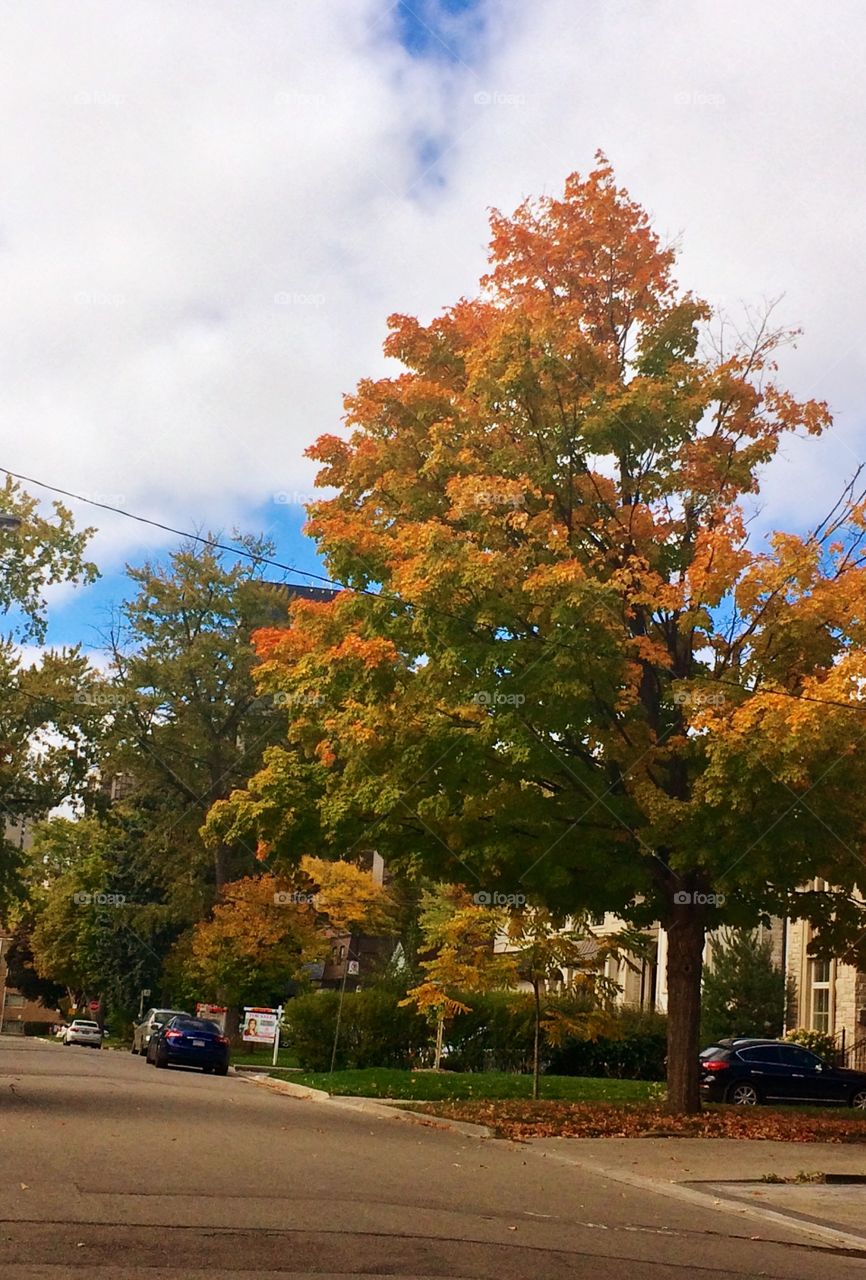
column 190, row 1042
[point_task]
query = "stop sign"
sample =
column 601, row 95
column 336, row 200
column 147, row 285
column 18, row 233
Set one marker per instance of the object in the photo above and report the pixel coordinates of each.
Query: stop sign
column 94, row 1006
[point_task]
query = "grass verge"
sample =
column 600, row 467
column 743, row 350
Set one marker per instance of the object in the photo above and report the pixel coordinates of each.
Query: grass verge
column 285, row 1058
column 380, row 1082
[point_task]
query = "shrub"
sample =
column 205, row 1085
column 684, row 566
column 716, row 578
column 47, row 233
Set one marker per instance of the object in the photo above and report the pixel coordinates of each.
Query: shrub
column 743, row 992
column 820, row 1042
column 494, row 1035
column 634, row 1049
column 374, row 1030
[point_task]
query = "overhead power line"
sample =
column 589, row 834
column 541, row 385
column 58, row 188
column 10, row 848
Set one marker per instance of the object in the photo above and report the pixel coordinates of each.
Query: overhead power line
column 343, row 586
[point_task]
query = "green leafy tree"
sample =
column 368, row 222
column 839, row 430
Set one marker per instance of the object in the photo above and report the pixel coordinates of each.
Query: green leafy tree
column 100, row 922
column 41, row 552
column 743, row 991
column 46, row 736
column 188, row 724
column 548, row 945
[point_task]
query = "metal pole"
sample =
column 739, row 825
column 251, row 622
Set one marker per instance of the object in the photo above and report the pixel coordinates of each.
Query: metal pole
column 3, row 1001
column 340, row 1005
column 277, row 1034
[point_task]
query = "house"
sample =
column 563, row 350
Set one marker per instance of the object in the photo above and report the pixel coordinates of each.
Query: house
column 18, row 1014
column 822, row 995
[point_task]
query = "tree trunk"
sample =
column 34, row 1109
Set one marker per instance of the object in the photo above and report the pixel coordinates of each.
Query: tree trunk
column 221, row 855
column 686, row 935
column 440, row 1036
column 536, row 1041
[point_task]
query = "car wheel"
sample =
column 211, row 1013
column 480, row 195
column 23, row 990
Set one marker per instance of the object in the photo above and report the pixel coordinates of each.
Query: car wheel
column 159, row 1060
column 743, row 1095
column 133, row 1049
column 858, row 1099
column 223, row 1070
column 207, row 1070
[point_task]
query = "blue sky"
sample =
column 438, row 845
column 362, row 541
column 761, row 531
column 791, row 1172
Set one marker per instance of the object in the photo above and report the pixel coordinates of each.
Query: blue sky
column 207, row 224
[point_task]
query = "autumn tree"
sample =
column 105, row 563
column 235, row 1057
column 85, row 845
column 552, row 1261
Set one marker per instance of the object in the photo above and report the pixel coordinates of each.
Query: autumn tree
column 259, row 939
column 559, row 666
column 255, row 943
column 460, row 935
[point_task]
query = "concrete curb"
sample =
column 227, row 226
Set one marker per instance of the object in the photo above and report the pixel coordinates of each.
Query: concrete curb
column 830, row 1236
column 390, row 1110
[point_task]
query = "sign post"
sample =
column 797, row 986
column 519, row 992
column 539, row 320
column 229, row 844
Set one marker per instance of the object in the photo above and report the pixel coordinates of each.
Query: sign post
column 277, row 1033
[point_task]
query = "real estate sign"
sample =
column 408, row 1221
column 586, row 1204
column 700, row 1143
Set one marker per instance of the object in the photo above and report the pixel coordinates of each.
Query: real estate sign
column 260, row 1025
column 214, row 1012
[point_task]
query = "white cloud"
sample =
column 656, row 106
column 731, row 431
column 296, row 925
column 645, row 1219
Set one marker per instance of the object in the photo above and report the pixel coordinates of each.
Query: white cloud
column 210, row 208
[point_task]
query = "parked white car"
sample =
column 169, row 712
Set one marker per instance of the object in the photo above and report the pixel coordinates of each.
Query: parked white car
column 82, row 1031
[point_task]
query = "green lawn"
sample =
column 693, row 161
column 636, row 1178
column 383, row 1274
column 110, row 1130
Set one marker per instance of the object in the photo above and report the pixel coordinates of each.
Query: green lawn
column 380, row 1082
column 244, row 1058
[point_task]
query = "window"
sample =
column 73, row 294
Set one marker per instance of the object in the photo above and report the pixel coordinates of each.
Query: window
column 14, row 1000
column 767, row 1053
column 820, row 971
column 802, row 1059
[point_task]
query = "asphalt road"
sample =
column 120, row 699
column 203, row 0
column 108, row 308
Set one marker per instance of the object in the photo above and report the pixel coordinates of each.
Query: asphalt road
column 109, row 1165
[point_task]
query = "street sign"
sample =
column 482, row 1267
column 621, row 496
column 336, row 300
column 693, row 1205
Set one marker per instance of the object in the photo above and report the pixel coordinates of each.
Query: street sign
column 145, row 991
column 354, row 968
column 94, row 1006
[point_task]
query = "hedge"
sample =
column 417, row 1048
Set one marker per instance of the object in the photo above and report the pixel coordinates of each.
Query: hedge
column 374, row 1030
column 495, row 1035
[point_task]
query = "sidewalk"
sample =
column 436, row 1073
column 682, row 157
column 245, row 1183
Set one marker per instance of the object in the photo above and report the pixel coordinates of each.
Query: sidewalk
column 730, row 1170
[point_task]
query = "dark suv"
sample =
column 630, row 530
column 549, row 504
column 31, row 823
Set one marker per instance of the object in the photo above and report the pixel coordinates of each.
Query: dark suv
column 747, row 1072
